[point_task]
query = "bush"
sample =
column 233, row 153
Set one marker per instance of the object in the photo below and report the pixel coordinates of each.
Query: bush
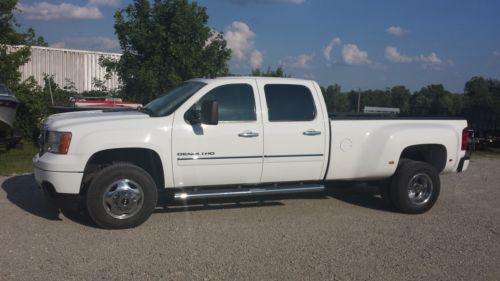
column 34, row 102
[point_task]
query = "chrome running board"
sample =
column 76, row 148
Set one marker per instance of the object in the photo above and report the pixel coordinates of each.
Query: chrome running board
column 237, row 192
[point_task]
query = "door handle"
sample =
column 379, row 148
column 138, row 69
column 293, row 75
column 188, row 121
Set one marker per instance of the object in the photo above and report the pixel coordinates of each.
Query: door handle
column 311, row 132
column 248, row 134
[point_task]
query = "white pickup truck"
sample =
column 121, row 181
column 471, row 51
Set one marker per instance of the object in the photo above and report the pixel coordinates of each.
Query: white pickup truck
column 239, row 136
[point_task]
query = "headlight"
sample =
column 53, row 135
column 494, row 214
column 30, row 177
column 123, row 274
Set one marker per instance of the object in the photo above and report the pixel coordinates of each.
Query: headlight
column 58, row 142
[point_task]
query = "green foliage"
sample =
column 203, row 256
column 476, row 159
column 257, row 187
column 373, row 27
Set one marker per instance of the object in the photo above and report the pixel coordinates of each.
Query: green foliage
column 335, row 100
column 396, row 97
column 400, row 98
column 279, row 72
column 35, row 101
column 32, row 107
column 10, row 61
column 9, row 65
column 433, row 99
column 32, row 104
column 483, row 94
column 8, row 24
column 482, row 103
column 164, row 44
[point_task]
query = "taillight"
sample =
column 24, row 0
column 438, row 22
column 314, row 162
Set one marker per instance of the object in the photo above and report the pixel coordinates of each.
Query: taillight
column 465, row 139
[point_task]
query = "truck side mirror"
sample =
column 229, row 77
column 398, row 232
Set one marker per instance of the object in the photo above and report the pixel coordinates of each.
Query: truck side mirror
column 210, row 112
column 193, row 116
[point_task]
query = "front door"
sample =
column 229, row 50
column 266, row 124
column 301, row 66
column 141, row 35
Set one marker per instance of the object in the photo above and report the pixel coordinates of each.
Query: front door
column 227, row 153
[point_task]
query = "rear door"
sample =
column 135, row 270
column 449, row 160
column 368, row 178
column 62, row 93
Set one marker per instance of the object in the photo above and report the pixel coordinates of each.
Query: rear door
column 296, row 135
column 227, row 153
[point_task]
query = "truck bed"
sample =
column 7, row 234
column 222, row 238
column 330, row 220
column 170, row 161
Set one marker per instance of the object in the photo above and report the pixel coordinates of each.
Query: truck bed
column 372, row 147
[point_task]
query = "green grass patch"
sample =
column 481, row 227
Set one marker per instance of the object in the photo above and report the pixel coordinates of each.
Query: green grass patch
column 18, row 160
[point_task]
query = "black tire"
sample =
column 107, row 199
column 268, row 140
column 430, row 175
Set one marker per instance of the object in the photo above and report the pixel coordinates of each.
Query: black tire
column 415, row 187
column 121, row 196
column 385, row 185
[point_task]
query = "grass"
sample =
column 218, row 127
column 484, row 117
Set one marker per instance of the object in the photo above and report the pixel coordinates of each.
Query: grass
column 17, row 161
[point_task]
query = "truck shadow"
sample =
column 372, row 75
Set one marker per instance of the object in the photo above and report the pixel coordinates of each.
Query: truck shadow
column 355, row 193
column 22, row 191
column 361, row 194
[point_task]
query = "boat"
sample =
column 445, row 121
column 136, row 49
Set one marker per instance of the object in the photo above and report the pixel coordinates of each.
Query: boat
column 8, row 106
column 93, row 103
column 9, row 136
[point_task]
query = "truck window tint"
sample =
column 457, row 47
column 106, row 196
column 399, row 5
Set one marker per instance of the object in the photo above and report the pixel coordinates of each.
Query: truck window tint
column 289, row 103
column 236, row 102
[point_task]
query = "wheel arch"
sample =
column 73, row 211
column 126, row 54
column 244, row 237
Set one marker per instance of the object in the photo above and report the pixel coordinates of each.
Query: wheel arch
column 145, row 158
column 434, row 154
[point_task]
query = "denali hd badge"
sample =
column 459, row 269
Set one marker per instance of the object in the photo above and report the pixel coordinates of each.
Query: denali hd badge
column 195, row 154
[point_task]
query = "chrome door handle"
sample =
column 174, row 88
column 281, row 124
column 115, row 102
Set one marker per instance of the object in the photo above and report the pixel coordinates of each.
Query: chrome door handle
column 311, row 132
column 248, row 134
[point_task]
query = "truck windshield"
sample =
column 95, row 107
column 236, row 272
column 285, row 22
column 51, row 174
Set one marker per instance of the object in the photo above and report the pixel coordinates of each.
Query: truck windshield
column 167, row 103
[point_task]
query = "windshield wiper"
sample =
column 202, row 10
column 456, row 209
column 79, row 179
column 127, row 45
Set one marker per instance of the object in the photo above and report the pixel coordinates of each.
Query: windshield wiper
column 147, row 110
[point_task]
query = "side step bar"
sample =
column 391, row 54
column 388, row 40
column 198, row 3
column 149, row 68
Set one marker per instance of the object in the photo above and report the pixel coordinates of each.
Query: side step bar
column 224, row 193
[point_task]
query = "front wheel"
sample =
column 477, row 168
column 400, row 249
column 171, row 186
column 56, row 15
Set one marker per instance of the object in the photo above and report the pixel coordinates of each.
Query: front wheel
column 121, row 196
column 415, row 187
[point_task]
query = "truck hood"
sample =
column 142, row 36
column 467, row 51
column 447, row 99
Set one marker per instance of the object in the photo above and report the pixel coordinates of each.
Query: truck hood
column 71, row 119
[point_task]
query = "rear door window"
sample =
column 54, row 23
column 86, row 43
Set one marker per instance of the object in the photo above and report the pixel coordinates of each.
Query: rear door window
column 289, row 103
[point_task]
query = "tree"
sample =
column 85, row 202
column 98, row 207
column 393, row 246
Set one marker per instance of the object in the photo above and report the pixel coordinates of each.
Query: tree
column 279, row 72
column 482, row 103
column 10, row 61
column 335, row 100
column 32, row 105
column 434, row 100
column 165, row 43
column 400, row 98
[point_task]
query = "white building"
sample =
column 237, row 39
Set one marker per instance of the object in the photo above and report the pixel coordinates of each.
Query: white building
column 381, row 110
column 80, row 67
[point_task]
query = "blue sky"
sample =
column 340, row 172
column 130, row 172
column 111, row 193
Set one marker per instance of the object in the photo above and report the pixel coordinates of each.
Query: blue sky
column 357, row 44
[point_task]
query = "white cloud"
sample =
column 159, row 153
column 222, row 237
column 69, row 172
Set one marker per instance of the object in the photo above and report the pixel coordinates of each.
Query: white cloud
column 102, row 44
column 241, row 40
column 63, row 11
column 353, row 55
column 432, row 60
column 327, row 50
column 112, row 3
column 248, row 2
column 396, row 30
column 256, row 59
column 392, row 54
column 300, row 61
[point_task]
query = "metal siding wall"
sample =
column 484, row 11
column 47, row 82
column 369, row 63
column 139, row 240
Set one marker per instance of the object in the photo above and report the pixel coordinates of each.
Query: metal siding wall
column 80, row 67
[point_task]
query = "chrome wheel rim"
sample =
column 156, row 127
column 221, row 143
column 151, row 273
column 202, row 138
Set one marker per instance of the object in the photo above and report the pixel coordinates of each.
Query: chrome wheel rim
column 420, row 189
column 123, row 199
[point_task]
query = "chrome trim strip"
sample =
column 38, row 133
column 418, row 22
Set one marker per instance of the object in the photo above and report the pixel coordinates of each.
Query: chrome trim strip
column 249, row 157
column 293, row 155
column 224, row 193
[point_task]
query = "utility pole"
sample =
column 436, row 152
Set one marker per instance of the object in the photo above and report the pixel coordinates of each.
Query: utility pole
column 359, row 97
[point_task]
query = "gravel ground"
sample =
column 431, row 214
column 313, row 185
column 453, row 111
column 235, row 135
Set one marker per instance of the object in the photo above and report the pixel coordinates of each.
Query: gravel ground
column 345, row 233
